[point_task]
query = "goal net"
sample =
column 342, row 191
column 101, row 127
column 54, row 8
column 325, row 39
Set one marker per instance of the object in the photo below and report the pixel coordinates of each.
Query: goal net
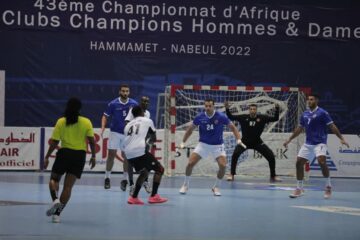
column 184, row 102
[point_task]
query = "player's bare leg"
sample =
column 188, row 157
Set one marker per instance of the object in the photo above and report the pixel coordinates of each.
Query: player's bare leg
column 299, row 191
column 193, row 160
column 109, row 166
column 326, row 174
column 124, row 181
column 220, row 175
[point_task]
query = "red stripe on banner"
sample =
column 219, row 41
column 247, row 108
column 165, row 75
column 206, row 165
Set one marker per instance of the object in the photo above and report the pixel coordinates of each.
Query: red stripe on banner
column 305, row 90
column 173, row 147
column 172, row 164
column 173, row 111
column 197, row 87
column 285, row 89
column 232, row 87
column 267, row 89
column 215, row 87
column 158, row 158
column 158, row 140
column 173, row 128
column 249, row 88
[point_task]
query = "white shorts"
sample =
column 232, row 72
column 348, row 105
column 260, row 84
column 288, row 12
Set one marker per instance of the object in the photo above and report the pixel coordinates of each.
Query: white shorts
column 205, row 150
column 309, row 152
column 115, row 140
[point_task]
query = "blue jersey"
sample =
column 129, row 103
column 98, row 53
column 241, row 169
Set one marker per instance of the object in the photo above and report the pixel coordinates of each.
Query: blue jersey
column 315, row 124
column 211, row 128
column 118, row 112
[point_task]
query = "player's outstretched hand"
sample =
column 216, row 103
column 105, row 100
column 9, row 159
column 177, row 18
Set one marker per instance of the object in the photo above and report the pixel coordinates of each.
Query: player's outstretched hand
column 182, row 145
column 286, row 144
column 344, row 142
column 92, row 162
column 226, row 104
column 239, row 142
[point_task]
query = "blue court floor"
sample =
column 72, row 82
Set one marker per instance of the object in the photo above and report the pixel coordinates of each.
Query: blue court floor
column 249, row 208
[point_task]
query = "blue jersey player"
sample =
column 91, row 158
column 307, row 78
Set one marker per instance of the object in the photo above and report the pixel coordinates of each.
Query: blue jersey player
column 211, row 126
column 315, row 122
column 117, row 110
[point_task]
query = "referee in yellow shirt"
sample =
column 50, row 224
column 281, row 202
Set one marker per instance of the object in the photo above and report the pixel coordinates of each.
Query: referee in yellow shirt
column 72, row 130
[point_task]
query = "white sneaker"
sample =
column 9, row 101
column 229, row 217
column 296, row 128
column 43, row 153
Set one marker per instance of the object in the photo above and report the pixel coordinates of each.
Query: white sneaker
column 147, row 187
column 55, row 218
column 216, row 191
column 327, row 193
column 131, row 189
column 183, row 189
column 297, row 193
column 55, row 205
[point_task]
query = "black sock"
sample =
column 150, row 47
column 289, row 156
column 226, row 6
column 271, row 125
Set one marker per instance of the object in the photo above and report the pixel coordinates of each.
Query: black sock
column 137, row 190
column 155, row 188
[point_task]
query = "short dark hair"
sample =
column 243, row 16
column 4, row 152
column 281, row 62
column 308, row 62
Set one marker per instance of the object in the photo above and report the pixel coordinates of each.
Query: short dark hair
column 252, row 105
column 210, row 100
column 315, row 95
column 137, row 111
column 124, row 86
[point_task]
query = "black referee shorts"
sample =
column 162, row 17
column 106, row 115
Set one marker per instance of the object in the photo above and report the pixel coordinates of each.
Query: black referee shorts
column 147, row 161
column 69, row 161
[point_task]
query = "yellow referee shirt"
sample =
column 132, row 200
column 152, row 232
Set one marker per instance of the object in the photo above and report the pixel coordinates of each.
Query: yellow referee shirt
column 73, row 136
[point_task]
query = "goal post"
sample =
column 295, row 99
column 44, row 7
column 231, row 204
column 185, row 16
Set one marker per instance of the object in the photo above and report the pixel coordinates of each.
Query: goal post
column 184, row 102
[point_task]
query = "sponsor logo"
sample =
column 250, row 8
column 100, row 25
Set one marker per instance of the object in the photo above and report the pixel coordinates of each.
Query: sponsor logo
column 314, row 165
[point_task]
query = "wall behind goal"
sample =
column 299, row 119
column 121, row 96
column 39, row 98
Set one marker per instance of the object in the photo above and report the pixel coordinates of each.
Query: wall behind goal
column 56, row 49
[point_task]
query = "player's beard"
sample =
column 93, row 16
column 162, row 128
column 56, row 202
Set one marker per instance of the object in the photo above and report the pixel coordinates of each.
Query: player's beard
column 124, row 97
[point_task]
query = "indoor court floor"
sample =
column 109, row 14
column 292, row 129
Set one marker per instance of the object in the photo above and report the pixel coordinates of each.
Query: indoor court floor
column 249, row 208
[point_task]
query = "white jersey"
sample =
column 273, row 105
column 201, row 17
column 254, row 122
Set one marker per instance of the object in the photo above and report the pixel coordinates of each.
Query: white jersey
column 134, row 144
column 130, row 116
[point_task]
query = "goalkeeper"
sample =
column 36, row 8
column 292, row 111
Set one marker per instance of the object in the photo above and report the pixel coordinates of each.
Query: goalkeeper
column 252, row 126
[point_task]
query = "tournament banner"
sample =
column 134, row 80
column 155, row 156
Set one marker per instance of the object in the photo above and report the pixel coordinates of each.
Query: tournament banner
column 19, row 148
column 55, row 49
column 342, row 161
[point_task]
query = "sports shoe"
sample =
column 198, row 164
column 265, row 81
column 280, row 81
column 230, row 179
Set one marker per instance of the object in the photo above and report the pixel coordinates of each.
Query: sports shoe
column 216, row 191
column 107, row 183
column 275, row 179
column 183, row 189
column 123, row 184
column 327, row 193
column 297, row 193
column 157, row 199
column 55, row 206
column 55, row 218
column 135, row 201
column 230, row 178
column 147, row 186
column 131, row 189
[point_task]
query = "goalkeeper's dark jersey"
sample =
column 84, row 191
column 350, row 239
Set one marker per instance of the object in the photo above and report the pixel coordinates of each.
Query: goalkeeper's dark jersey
column 252, row 128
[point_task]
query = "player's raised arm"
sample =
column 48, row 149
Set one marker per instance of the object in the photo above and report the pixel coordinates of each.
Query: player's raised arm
column 187, row 134
column 336, row 131
column 229, row 114
column 276, row 115
column 296, row 133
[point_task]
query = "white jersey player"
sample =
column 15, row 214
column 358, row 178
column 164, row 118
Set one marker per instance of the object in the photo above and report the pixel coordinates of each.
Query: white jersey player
column 134, row 146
